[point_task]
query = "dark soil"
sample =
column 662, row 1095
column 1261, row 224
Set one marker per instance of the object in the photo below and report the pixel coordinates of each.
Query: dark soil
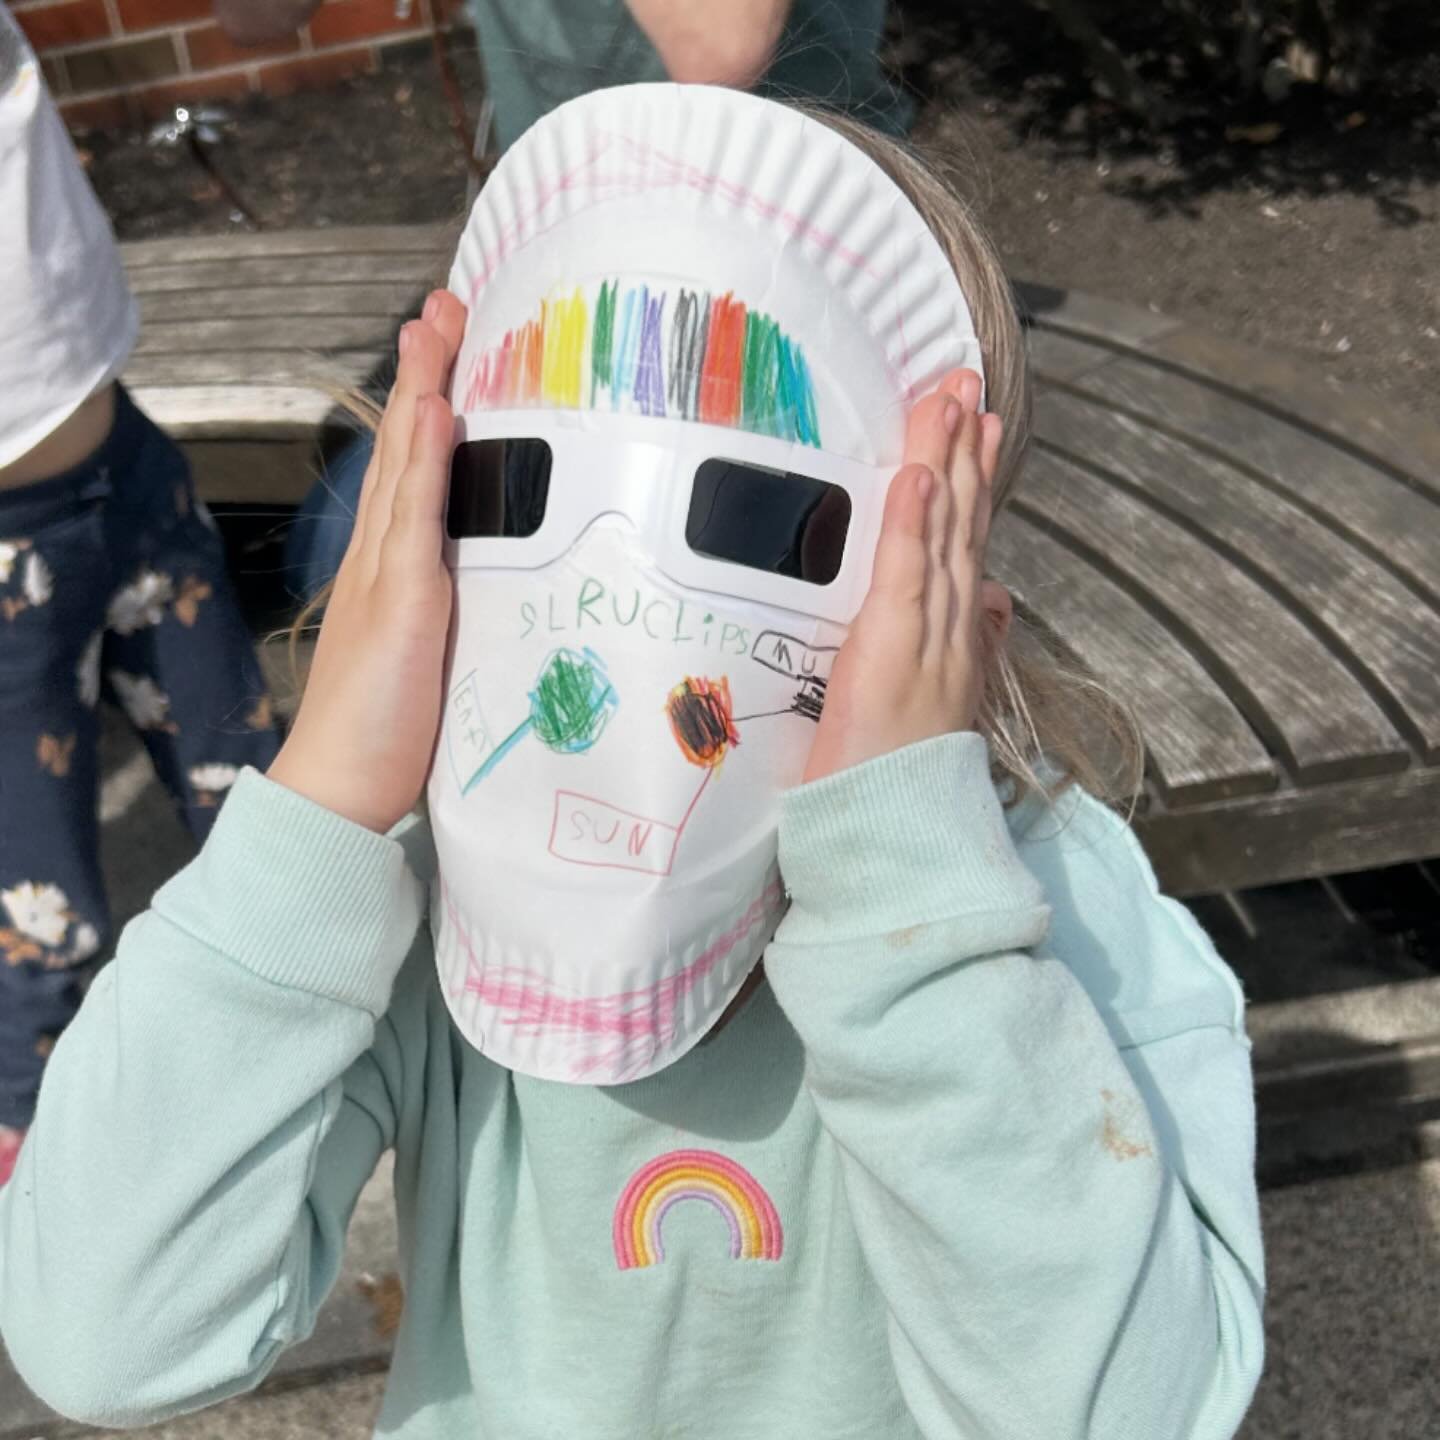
column 374, row 150
column 1320, row 243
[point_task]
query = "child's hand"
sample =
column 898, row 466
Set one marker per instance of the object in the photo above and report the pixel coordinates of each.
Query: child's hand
column 362, row 741
column 912, row 665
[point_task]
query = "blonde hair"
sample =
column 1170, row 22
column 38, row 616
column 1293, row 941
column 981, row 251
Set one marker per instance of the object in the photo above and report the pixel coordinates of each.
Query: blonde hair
column 1048, row 721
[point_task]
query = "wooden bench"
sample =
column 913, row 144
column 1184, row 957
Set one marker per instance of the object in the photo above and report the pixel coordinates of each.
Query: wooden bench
column 246, row 337
column 1249, row 554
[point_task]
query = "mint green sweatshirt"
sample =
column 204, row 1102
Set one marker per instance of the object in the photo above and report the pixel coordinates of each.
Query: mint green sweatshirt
column 976, row 1161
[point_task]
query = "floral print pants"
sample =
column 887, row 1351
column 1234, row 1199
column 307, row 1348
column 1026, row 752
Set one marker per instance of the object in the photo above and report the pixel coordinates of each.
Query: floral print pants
column 112, row 582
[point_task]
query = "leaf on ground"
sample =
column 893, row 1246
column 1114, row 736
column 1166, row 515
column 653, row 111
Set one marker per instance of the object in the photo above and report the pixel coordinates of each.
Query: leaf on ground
column 1265, row 133
column 387, row 1298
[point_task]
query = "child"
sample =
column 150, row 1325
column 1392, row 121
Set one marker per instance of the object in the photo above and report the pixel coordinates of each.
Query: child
column 112, row 579
column 971, row 1155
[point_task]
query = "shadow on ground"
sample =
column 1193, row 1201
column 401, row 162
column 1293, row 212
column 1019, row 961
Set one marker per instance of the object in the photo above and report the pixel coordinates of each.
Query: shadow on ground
column 1376, row 139
column 1353, row 1261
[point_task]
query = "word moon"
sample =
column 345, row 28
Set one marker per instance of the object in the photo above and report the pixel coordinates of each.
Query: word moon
column 786, row 655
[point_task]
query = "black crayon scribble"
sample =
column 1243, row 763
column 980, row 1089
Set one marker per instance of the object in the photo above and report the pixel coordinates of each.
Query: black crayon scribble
column 689, row 332
column 808, row 702
column 810, row 699
column 701, row 720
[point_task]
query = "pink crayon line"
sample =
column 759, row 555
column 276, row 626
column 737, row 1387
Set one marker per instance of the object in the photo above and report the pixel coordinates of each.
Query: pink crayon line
column 633, row 815
column 694, row 801
column 647, row 820
column 643, row 1018
column 544, row 194
column 682, row 172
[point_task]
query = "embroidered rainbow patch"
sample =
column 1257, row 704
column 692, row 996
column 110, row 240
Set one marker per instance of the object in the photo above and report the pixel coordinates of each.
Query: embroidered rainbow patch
column 690, row 356
column 668, row 1180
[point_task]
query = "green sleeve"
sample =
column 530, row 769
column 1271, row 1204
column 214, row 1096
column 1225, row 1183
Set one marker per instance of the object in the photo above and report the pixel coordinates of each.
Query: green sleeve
column 206, row 1123
column 1049, row 1266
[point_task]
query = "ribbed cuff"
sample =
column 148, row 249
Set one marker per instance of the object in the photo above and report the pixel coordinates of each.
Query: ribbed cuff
column 910, row 838
column 299, row 895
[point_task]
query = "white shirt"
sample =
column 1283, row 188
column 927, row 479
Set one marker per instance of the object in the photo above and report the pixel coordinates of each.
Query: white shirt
column 67, row 318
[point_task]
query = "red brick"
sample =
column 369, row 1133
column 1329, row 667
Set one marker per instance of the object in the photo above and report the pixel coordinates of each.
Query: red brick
column 110, row 113
column 210, row 47
column 53, row 69
column 128, row 62
column 64, row 24
column 144, row 14
column 160, row 100
column 284, row 77
column 341, row 20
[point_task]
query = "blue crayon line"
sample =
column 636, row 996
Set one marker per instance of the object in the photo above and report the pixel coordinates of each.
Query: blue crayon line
column 498, row 754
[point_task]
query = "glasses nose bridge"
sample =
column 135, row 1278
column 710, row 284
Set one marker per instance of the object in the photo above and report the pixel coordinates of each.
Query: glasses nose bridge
column 643, row 487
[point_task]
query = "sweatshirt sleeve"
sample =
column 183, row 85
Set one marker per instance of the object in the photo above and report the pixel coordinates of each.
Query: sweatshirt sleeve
column 1066, row 1236
column 206, row 1123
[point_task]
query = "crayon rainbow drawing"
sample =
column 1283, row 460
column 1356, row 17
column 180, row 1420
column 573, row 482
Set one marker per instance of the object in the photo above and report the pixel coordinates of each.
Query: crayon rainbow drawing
column 669, row 1180
column 689, row 355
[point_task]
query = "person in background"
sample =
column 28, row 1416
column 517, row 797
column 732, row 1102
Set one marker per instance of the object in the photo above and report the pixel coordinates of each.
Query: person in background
column 537, row 54
column 112, row 581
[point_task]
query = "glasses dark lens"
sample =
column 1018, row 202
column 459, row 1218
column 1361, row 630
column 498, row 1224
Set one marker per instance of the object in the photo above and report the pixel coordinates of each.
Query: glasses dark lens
column 498, row 487
column 770, row 520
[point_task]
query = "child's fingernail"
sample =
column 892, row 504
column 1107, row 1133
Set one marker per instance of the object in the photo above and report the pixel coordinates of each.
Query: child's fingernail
column 952, row 416
column 925, row 483
column 404, row 338
column 432, row 305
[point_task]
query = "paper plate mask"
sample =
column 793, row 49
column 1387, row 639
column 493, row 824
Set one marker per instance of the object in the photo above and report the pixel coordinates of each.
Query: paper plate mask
column 697, row 320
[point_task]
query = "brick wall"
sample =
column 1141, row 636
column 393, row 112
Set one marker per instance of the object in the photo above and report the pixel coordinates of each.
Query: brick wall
column 121, row 62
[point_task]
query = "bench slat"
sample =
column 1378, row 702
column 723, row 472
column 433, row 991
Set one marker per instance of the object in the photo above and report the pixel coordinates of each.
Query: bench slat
column 1290, row 834
column 236, row 337
column 1198, row 744
column 1074, row 312
column 421, row 270
column 1054, row 356
column 1290, row 389
column 392, row 299
column 1301, row 700
column 1366, row 612
column 343, row 240
column 1389, row 518
column 1408, row 443
column 262, row 369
